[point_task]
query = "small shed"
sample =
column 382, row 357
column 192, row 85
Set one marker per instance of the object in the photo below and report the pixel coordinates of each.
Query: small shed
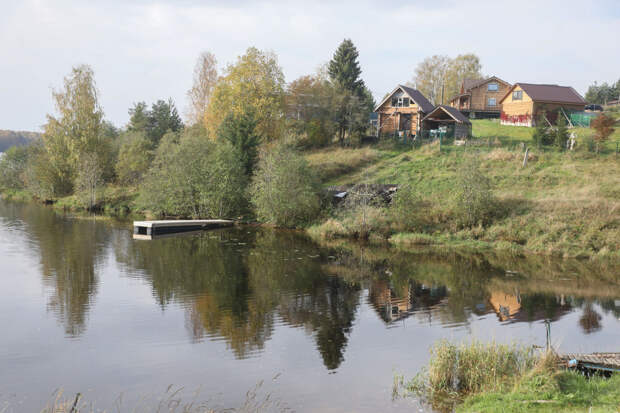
column 449, row 118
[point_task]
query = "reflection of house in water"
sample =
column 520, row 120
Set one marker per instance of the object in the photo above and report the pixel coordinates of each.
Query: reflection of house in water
column 397, row 303
column 517, row 307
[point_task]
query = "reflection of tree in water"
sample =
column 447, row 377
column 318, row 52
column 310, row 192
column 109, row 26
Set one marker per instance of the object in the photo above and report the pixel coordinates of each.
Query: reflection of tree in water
column 590, row 320
column 305, row 295
column 234, row 292
column 71, row 251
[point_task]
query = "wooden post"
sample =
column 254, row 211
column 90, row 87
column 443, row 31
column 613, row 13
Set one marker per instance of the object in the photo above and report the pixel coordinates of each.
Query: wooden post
column 527, row 150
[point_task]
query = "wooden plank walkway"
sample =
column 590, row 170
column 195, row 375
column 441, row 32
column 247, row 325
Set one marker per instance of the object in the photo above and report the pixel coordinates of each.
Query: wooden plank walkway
column 149, row 229
column 594, row 361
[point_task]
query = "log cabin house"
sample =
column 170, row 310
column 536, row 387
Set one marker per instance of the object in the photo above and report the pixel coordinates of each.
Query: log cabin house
column 455, row 123
column 480, row 98
column 525, row 102
column 401, row 112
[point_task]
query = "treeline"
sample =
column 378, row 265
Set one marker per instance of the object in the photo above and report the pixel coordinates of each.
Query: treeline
column 603, row 93
column 9, row 138
column 238, row 154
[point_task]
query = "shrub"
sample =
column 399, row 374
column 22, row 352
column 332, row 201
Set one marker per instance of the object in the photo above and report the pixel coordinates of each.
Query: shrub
column 284, row 190
column 405, row 208
column 474, row 201
column 195, row 177
column 603, row 125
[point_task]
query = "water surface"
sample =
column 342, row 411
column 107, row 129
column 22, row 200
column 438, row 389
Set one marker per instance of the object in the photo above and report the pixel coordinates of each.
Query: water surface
column 86, row 308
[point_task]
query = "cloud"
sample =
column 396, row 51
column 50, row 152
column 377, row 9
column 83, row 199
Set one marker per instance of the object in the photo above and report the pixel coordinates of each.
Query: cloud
column 143, row 50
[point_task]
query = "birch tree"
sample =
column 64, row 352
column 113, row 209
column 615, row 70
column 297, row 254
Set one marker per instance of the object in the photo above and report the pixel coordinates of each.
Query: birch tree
column 205, row 79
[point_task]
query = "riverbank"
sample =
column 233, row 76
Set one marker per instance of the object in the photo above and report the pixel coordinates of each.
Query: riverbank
column 560, row 203
column 564, row 204
column 506, row 378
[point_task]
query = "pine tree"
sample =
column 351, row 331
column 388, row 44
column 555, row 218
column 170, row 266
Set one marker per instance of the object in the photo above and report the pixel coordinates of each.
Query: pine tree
column 344, row 69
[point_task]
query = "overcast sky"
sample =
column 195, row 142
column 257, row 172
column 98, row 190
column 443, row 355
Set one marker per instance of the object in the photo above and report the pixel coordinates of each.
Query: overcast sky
column 145, row 50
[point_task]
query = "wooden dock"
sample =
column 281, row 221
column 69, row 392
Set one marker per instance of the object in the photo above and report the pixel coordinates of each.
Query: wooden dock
column 150, row 229
column 608, row 362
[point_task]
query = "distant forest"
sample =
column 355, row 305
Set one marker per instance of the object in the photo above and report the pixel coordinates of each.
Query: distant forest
column 10, row 138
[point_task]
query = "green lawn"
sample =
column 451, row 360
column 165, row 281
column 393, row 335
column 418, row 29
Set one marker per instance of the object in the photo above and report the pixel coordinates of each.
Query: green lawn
column 559, row 392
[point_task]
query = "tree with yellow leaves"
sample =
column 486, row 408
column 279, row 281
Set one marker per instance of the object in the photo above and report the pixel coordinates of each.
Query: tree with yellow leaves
column 254, row 83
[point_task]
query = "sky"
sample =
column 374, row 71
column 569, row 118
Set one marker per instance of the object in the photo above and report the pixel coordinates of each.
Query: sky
column 145, row 50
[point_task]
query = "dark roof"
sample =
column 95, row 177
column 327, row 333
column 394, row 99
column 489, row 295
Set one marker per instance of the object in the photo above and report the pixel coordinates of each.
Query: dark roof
column 418, row 98
column 550, row 93
column 453, row 112
column 471, row 83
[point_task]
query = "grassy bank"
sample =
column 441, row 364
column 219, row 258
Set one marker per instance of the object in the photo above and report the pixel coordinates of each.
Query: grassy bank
column 506, row 378
column 560, row 203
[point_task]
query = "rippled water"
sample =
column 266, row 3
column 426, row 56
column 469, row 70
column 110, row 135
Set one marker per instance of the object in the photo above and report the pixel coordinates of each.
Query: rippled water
column 86, row 308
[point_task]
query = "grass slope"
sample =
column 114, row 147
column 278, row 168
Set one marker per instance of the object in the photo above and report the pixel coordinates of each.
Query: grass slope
column 560, row 203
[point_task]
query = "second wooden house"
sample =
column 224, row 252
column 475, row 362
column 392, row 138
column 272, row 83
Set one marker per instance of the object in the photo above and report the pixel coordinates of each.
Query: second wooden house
column 401, row 112
column 480, row 98
column 526, row 103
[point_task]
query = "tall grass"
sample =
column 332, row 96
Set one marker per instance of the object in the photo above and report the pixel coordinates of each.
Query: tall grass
column 457, row 370
column 173, row 400
column 475, row 367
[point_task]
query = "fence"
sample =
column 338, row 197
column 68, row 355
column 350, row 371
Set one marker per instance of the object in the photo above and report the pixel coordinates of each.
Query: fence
column 581, row 118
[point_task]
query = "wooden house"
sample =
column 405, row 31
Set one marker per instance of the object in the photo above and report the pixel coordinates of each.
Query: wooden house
column 525, row 102
column 447, row 117
column 401, row 112
column 480, row 98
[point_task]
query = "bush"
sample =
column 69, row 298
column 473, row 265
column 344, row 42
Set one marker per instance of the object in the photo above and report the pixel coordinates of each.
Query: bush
column 405, row 208
column 285, row 190
column 474, row 201
column 195, row 177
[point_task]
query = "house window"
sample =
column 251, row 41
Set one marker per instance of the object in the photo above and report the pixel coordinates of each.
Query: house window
column 400, row 102
column 491, row 102
column 493, row 87
column 517, row 95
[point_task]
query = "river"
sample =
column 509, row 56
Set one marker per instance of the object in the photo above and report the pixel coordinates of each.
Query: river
column 85, row 308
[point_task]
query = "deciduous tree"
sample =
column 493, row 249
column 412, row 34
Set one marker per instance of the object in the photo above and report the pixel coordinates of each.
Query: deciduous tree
column 255, row 82
column 439, row 77
column 205, row 79
column 76, row 130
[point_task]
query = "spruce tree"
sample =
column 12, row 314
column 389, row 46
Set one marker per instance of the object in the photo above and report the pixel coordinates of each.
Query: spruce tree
column 561, row 131
column 240, row 131
column 540, row 136
column 344, row 69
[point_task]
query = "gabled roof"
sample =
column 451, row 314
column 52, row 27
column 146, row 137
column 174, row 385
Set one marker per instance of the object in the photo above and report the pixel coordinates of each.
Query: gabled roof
column 549, row 93
column 414, row 94
column 454, row 113
column 469, row 84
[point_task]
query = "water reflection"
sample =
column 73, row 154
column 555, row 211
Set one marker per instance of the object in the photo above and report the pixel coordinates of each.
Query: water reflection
column 236, row 284
column 240, row 284
column 70, row 253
